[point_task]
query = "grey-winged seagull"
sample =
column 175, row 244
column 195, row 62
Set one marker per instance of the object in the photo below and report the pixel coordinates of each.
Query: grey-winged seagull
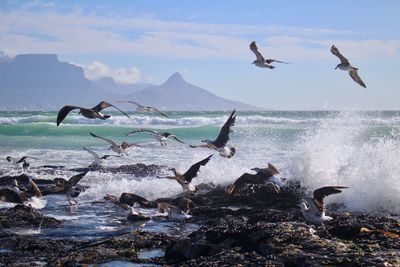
column 141, row 108
column 185, row 179
column 120, row 149
column 261, row 61
column 97, row 159
column 90, row 113
column 313, row 209
column 346, row 66
column 219, row 144
column 161, row 137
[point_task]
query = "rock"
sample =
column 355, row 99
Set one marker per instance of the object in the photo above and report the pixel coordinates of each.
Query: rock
column 23, row 216
column 138, row 170
column 130, row 199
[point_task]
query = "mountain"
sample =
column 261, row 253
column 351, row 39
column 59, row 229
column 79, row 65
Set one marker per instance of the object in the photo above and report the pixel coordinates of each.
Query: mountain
column 41, row 81
column 179, row 95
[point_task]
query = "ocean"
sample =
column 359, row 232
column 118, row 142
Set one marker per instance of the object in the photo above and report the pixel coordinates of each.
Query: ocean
column 357, row 149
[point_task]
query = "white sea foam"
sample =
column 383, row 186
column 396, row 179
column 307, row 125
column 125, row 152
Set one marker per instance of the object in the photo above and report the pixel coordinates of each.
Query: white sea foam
column 340, row 153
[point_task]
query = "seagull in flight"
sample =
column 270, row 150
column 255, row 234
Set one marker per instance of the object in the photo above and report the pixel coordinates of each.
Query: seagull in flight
column 97, row 159
column 346, row 66
column 119, row 149
column 185, row 179
column 161, row 137
column 90, row 113
column 313, row 209
column 219, row 144
column 141, row 108
column 261, row 61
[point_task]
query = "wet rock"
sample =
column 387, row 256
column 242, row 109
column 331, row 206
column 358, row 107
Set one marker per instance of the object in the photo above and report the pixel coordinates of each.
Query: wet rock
column 138, row 170
column 24, row 216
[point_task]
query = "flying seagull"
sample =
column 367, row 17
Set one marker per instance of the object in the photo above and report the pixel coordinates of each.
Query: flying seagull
column 346, row 66
column 97, row 159
column 161, row 137
column 313, row 208
column 185, row 179
column 261, row 61
column 219, row 144
column 141, row 108
column 90, row 113
column 174, row 213
column 120, row 149
column 18, row 160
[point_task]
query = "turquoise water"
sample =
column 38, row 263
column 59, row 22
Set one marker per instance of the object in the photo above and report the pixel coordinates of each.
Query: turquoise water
column 356, row 149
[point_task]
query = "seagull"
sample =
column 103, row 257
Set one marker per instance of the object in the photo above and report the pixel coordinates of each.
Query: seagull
column 313, row 208
column 120, row 149
column 141, row 108
column 161, row 137
column 346, row 66
column 17, row 161
column 135, row 216
column 90, row 113
column 261, row 61
column 185, row 179
column 174, row 213
column 270, row 174
column 15, row 195
column 97, row 159
column 219, row 144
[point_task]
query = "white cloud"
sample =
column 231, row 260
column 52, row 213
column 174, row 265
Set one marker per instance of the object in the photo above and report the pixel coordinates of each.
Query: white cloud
column 7, row 54
column 97, row 70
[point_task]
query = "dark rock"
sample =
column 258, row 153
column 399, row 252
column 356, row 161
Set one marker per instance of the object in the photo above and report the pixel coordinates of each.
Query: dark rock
column 131, row 199
column 24, row 216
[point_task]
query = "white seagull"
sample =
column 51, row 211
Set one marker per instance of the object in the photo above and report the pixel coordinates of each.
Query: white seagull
column 346, row 66
column 161, row 137
column 97, row 159
column 313, row 209
column 261, row 61
column 219, row 144
column 185, row 179
column 90, row 113
column 141, row 108
column 120, row 149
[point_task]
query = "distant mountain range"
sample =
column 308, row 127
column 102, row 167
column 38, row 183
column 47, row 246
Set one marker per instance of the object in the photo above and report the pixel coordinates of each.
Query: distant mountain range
column 42, row 82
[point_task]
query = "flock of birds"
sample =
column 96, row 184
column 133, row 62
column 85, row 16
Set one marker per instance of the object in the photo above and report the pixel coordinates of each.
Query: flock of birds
column 312, row 208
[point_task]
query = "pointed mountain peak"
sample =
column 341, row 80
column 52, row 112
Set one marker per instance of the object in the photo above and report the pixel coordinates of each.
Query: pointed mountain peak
column 176, row 78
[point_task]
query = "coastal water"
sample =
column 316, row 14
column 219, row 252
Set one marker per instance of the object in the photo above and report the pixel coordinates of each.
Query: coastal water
column 351, row 148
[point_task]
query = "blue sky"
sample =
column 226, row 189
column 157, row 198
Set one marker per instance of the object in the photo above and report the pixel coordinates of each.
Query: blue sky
column 208, row 42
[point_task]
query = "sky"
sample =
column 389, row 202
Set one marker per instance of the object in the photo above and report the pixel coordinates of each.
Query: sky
column 208, row 43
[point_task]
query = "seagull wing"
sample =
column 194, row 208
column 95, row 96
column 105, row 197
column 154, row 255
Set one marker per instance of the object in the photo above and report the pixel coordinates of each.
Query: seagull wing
column 131, row 102
column 103, row 104
column 94, row 154
column 64, row 112
column 143, row 131
column 322, row 192
column 254, row 48
column 223, row 136
column 194, row 169
column 354, row 75
column 24, row 158
column 75, row 179
column 336, row 52
column 269, row 61
column 152, row 109
column 176, row 138
column 105, row 139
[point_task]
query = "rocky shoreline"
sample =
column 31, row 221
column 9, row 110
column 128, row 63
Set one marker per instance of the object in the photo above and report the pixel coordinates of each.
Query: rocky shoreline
column 258, row 226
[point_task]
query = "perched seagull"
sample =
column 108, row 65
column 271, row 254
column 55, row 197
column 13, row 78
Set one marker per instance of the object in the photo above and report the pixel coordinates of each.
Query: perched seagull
column 97, row 159
column 120, row 149
column 219, row 144
column 346, row 66
column 174, row 213
column 135, row 216
column 161, row 137
column 185, row 179
column 90, row 113
column 261, row 61
column 270, row 174
column 313, row 208
column 141, row 108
